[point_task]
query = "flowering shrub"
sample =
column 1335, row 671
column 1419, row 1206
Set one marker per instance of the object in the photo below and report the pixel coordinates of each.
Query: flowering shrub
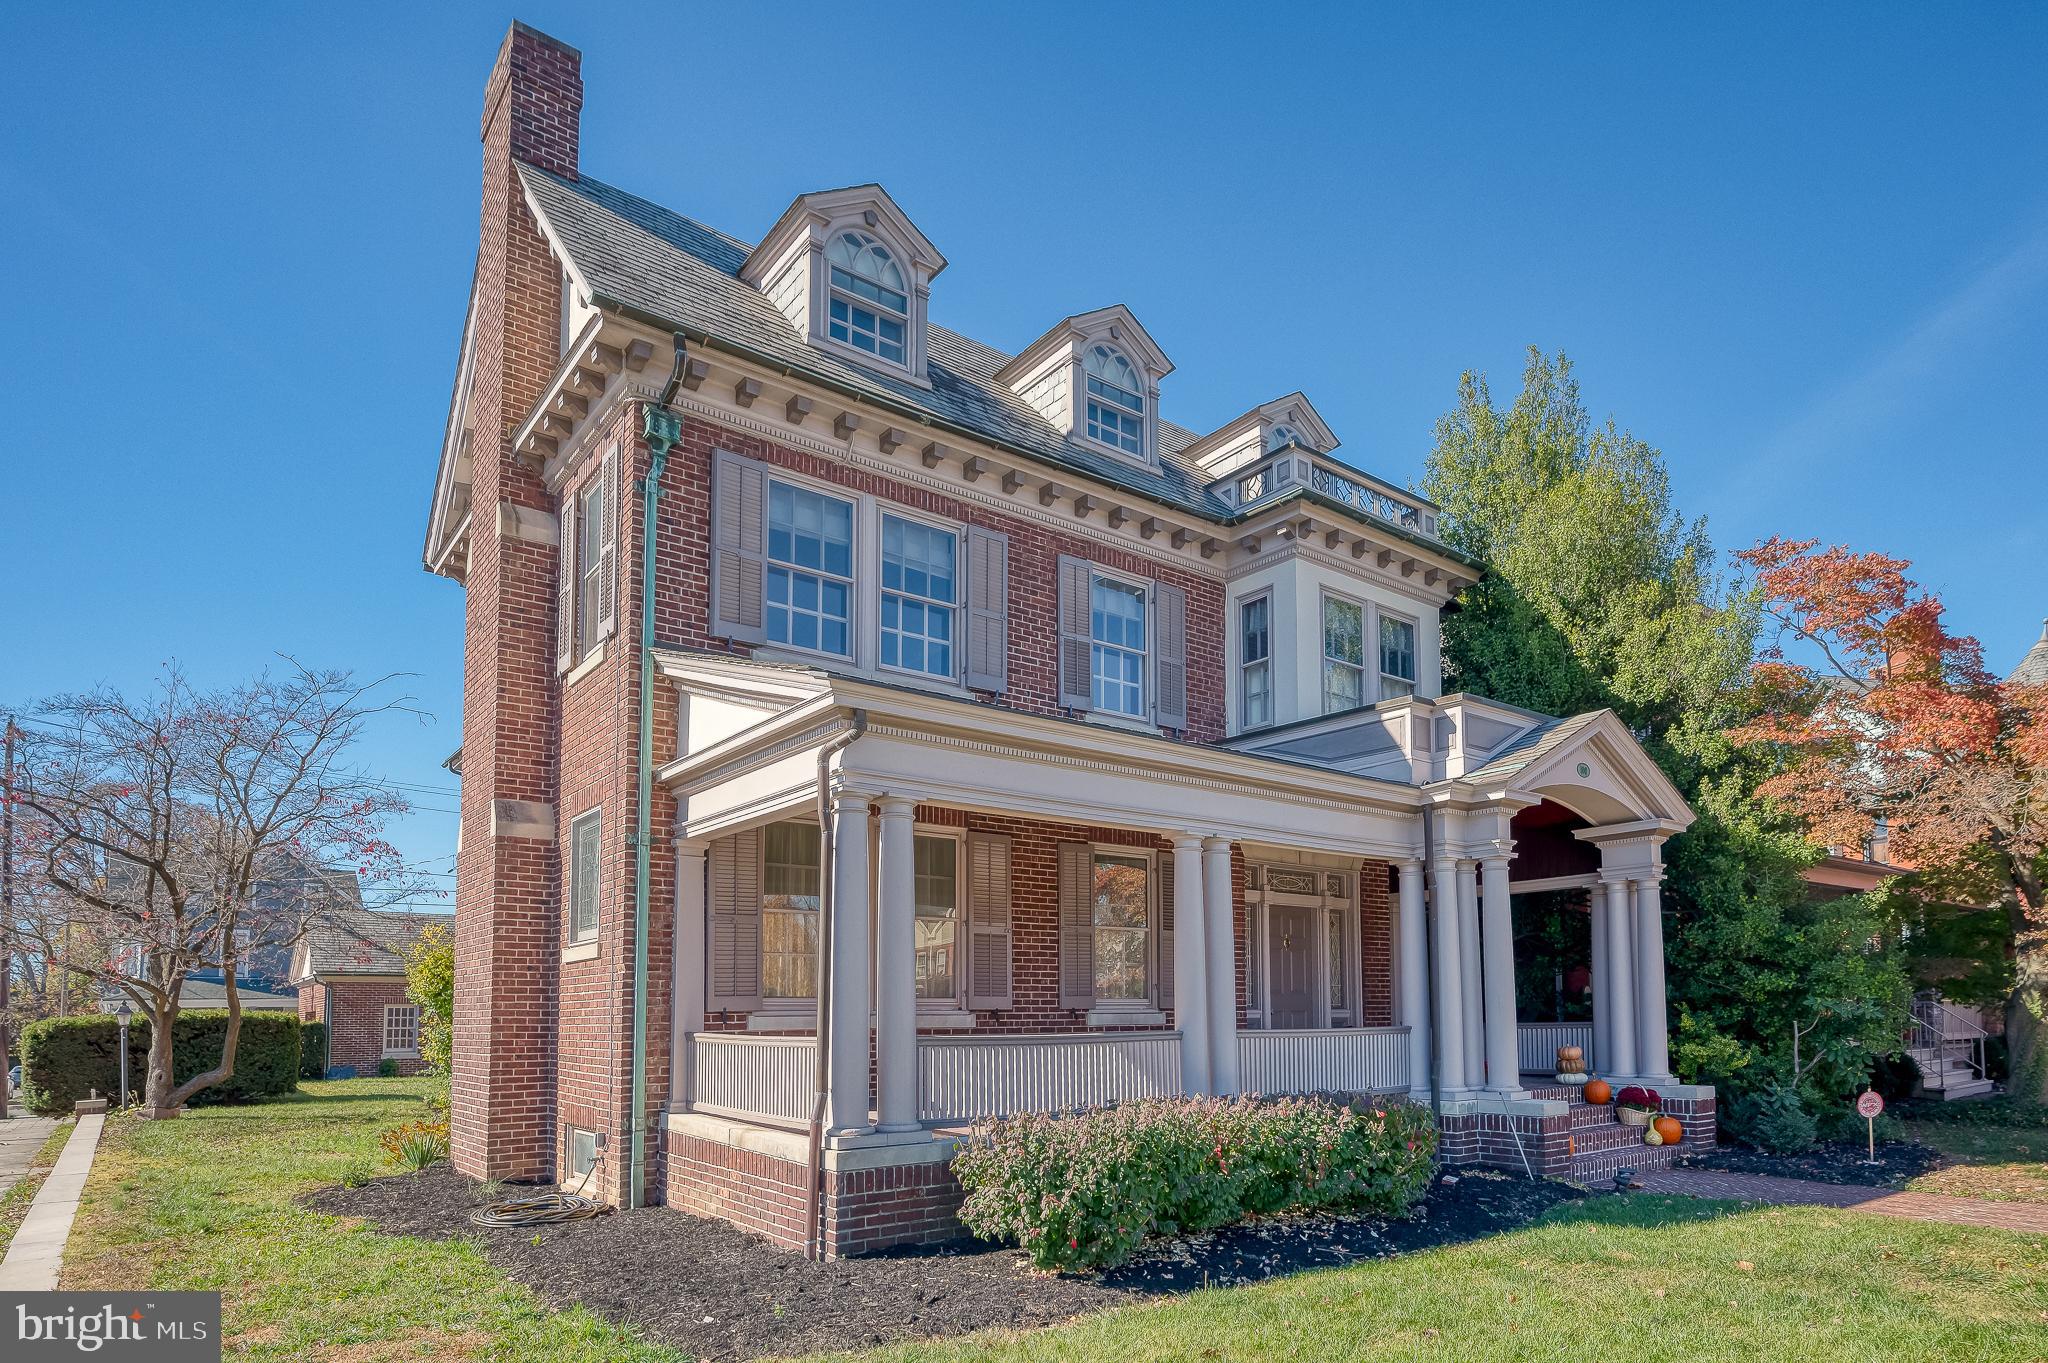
column 414, row 1145
column 1083, row 1190
column 1639, row 1098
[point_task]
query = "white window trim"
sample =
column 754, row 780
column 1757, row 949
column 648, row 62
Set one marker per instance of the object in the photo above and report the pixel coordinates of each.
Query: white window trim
column 855, row 600
column 1368, row 637
column 575, row 938
column 1258, row 921
column 1244, row 603
column 1148, row 403
column 1124, row 1012
column 590, row 663
column 389, row 1052
column 909, row 314
column 883, row 509
column 943, row 1011
column 589, row 540
column 1380, row 676
column 1141, row 722
column 820, row 304
column 776, row 1012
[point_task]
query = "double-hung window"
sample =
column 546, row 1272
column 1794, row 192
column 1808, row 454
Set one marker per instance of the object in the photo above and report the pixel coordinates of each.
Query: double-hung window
column 1116, row 621
column 870, row 306
column 1116, row 403
column 585, row 874
column 1343, row 654
column 789, row 911
column 1122, row 924
column 1397, row 658
column 936, row 881
column 401, row 1029
column 1255, row 676
column 920, row 593
column 810, row 570
column 590, row 514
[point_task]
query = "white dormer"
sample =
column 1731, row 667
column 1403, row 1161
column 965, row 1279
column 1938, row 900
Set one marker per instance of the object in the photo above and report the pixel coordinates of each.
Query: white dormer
column 1096, row 377
column 853, row 275
column 1291, row 420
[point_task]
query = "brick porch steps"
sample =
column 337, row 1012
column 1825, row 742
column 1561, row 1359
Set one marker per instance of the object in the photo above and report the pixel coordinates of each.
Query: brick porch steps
column 1601, row 1145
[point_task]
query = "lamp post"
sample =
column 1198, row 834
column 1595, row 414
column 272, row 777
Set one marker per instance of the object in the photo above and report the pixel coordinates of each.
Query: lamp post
column 122, row 1015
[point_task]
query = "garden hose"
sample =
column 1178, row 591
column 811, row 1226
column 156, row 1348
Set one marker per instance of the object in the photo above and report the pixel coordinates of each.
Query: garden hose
column 544, row 1209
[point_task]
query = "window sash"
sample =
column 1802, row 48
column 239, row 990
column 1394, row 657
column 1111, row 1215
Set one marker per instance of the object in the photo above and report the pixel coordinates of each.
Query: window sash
column 1343, row 654
column 1255, row 680
column 1117, row 634
column 401, row 1028
column 935, row 897
column 1122, row 924
column 919, row 606
column 585, row 874
column 791, row 874
column 589, row 558
column 866, row 327
column 809, row 593
column 1118, row 429
column 1397, row 657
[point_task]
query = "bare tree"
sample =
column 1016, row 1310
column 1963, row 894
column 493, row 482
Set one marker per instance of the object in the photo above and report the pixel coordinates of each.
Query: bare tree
column 151, row 828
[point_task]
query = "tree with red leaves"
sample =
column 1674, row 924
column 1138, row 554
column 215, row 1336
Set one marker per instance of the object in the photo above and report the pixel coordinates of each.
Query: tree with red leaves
column 1878, row 711
column 149, row 827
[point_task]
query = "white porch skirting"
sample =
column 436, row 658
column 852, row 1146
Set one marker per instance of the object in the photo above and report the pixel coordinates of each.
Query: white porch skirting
column 963, row 1077
column 1345, row 1060
column 762, row 1078
column 1537, row 1043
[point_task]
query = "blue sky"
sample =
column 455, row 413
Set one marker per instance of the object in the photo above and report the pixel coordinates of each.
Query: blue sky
column 1804, row 250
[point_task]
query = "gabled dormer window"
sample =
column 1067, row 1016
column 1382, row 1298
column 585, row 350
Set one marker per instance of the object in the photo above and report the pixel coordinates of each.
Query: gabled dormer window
column 1282, row 436
column 1116, row 402
column 870, row 307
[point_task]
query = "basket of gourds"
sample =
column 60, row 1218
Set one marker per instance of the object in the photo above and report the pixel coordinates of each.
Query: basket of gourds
column 1571, row 1065
column 1636, row 1105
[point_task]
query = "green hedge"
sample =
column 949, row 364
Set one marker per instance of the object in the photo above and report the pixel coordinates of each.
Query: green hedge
column 64, row 1058
column 312, row 1050
column 1084, row 1190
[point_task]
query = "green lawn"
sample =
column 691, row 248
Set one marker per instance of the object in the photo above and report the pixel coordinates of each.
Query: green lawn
column 209, row 1202
column 2003, row 1163
column 14, row 1203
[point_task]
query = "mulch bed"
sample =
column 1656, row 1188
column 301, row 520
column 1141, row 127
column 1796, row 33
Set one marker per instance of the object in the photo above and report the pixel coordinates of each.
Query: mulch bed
column 1829, row 1162
column 712, row 1291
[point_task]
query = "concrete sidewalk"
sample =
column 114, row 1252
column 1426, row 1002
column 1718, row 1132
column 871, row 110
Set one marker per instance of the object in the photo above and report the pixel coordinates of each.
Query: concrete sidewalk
column 37, row 1251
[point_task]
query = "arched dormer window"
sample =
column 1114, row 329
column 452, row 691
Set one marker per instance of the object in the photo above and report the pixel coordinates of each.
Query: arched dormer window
column 1116, row 402
column 1281, row 436
column 870, row 303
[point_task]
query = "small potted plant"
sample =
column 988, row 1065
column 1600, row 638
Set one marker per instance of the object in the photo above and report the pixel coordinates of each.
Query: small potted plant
column 1636, row 1105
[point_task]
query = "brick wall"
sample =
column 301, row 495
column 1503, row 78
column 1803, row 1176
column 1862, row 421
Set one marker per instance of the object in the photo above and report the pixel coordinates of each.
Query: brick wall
column 354, row 1013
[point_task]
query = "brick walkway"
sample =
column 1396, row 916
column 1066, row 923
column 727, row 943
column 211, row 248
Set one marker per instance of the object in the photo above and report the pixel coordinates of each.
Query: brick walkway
column 1960, row 1211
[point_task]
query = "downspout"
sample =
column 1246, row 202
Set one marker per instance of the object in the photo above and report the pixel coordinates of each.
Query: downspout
column 814, row 1239
column 661, row 427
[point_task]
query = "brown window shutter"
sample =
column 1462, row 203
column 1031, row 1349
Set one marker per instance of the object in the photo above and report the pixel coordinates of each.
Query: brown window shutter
column 608, row 548
column 1164, row 991
column 1076, row 674
column 733, row 974
column 739, row 535
column 988, row 609
column 989, row 935
column 1169, row 656
column 565, row 586
column 1077, row 925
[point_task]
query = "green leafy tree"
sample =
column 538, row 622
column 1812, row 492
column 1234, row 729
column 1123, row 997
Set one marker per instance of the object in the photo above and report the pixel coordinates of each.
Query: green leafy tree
column 430, row 983
column 1600, row 594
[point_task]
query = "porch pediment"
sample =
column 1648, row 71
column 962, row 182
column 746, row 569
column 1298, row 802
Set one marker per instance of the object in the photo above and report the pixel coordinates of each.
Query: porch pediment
column 1589, row 763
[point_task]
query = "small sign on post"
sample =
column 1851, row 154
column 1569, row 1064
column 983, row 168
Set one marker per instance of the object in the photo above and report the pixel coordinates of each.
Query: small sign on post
column 1868, row 1105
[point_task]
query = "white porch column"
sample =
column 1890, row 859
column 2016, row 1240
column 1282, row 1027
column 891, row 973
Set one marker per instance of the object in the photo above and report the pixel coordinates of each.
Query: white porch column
column 1470, row 953
column 1503, row 1062
column 1450, row 978
column 1219, row 918
column 1603, row 1006
column 1653, row 1042
column 686, row 1017
column 1412, row 968
column 1621, row 1015
column 896, row 969
column 1190, row 964
column 846, row 1072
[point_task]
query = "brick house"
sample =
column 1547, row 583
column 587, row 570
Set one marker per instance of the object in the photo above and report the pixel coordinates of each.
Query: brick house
column 1033, row 750
column 349, row 967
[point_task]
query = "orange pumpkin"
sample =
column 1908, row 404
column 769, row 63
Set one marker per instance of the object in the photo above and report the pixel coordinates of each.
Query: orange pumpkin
column 1670, row 1129
column 1598, row 1091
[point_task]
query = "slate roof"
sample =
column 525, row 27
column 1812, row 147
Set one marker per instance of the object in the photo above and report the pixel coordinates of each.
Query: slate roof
column 647, row 259
column 214, row 994
column 358, row 941
column 1532, row 746
column 2033, row 669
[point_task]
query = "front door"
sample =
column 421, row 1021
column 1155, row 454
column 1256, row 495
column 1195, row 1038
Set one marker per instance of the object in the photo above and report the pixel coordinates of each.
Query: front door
column 1292, row 945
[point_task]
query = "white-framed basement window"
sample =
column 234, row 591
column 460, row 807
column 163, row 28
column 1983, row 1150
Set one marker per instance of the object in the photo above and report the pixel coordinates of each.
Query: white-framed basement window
column 401, row 1030
column 1343, row 654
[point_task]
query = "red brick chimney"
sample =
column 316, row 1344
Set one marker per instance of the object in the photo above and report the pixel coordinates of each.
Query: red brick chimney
column 506, row 954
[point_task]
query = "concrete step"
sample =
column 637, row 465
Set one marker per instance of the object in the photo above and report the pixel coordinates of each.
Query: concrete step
column 1972, row 1088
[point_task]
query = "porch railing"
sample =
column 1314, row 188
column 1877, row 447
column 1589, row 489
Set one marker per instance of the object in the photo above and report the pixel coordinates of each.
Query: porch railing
column 761, row 1078
column 1952, row 1035
column 960, row 1078
column 1536, row 1043
column 1343, row 1060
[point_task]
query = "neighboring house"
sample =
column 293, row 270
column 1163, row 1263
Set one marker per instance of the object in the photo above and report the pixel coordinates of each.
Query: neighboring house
column 350, row 973
column 267, row 933
column 212, row 994
column 1140, row 774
